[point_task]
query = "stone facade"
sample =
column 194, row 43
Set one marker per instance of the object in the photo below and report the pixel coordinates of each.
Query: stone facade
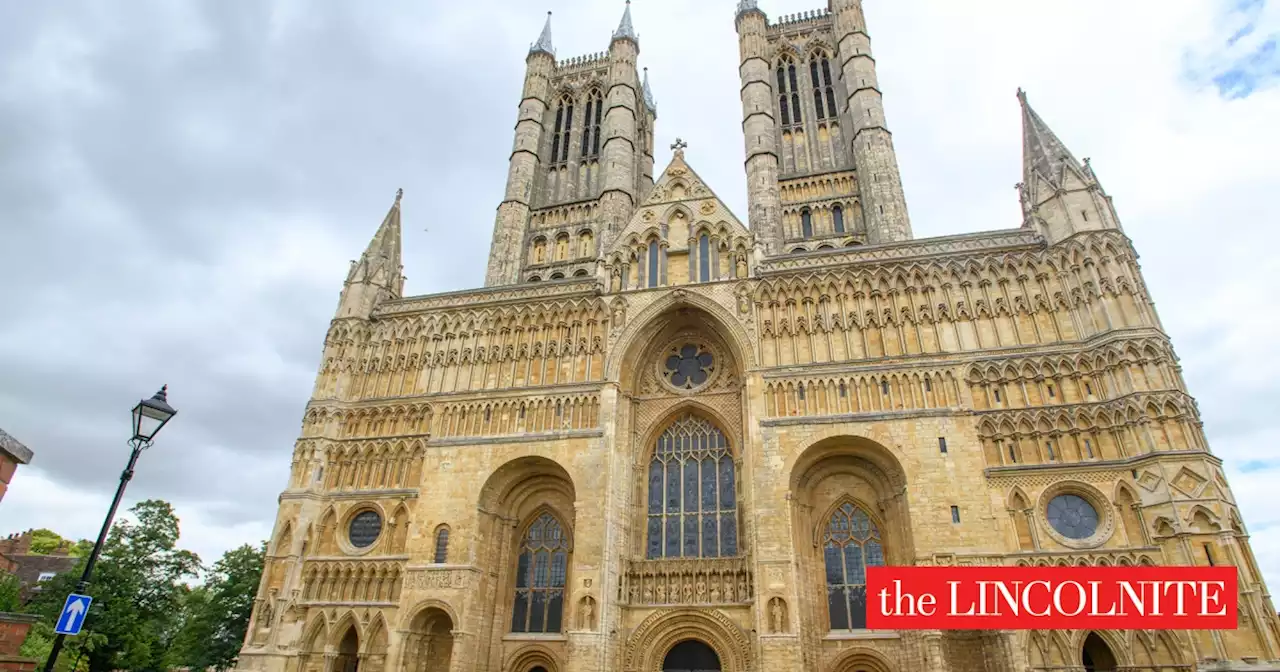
column 638, row 442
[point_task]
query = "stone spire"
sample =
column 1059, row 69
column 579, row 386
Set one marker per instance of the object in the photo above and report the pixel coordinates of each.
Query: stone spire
column 544, row 41
column 376, row 276
column 648, row 94
column 626, row 31
column 1042, row 152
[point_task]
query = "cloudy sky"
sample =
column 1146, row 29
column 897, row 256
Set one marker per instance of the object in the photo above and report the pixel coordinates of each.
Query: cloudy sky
column 182, row 186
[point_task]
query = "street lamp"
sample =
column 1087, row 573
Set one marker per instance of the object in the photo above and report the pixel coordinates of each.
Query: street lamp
column 149, row 416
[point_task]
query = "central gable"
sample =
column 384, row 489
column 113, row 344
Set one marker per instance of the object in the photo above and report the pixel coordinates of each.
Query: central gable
column 679, row 212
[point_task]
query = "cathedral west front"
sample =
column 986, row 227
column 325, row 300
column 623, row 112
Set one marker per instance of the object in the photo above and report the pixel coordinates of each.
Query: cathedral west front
column 663, row 437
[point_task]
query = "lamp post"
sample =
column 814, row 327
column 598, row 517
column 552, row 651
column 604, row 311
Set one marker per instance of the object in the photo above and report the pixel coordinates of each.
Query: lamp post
column 148, row 417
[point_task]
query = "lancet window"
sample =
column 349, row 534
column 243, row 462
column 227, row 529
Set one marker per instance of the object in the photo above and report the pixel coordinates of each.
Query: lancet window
column 837, row 216
column 850, row 544
column 806, row 224
column 591, row 126
column 561, row 138
column 540, row 577
column 704, row 258
column 692, row 493
column 822, row 86
column 788, row 92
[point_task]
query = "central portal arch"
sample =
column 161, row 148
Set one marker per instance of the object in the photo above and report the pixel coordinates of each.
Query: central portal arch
column 691, row 656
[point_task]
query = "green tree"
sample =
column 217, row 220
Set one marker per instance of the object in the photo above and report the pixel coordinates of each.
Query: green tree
column 138, row 592
column 44, row 542
column 9, row 589
column 216, row 614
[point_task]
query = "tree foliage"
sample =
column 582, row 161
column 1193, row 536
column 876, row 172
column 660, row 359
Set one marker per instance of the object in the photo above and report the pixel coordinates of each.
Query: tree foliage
column 216, row 614
column 44, row 542
column 9, row 592
column 145, row 616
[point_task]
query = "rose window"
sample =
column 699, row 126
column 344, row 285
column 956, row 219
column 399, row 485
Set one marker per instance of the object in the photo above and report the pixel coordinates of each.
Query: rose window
column 1072, row 517
column 689, row 366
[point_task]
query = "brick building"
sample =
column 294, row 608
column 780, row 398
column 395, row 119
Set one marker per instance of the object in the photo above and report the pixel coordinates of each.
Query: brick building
column 666, row 438
column 12, row 453
column 33, row 569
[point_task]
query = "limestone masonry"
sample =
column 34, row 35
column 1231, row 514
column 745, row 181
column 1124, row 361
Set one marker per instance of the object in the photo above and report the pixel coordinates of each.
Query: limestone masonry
column 666, row 438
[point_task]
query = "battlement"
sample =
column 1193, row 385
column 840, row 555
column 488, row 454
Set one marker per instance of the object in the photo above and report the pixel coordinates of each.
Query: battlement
column 586, row 62
column 814, row 18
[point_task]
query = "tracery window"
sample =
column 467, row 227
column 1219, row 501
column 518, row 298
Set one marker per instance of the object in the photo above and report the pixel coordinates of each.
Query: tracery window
column 561, row 139
column 591, row 124
column 692, row 493
column 540, row 577
column 850, row 545
column 788, row 92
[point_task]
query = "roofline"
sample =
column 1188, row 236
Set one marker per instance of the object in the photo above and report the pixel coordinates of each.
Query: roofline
column 14, row 448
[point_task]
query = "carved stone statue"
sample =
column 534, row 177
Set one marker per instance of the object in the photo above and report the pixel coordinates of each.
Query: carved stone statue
column 741, row 265
column 615, row 279
column 778, row 616
column 587, row 619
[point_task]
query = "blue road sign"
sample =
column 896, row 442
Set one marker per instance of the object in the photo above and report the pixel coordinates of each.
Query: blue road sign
column 73, row 613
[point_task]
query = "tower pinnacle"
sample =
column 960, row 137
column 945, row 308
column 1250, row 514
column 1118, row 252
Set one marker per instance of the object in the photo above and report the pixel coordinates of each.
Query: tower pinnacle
column 648, row 94
column 626, row 31
column 376, row 276
column 1042, row 151
column 544, row 41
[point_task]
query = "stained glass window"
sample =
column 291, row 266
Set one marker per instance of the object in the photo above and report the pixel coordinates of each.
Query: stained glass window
column 850, row 545
column 689, row 366
column 692, row 496
column 1072, row 516
column 540, row 577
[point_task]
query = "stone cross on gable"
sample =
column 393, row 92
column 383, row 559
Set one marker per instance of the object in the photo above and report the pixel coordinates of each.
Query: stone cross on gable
column 680, row 146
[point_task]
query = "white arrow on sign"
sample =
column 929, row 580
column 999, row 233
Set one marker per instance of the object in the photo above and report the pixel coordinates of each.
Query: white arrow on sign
column 75, row 611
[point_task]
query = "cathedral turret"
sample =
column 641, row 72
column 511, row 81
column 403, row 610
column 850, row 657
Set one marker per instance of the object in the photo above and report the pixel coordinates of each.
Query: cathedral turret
column 1060, row 195
column 884, row 205
column 645, row 151
column 759, row 128
column 622, row 102
column 376, row 276
column 513, row 213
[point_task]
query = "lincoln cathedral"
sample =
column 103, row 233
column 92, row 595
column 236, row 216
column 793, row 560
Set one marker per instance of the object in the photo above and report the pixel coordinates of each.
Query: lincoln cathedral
column 666, row 437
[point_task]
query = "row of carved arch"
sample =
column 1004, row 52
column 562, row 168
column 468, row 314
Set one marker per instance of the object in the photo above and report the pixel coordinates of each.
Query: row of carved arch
column 1047, row 385
column 393, row 420
column 1141, row 351
column 565, row 216
column 1109, row 430
column 726, row 237
column 819, row 186
column 827, row 152
column 868, row 393
column 389, row 363
column 384, row 464
column 451, row 323
column 547, row 249
column 824, row 220
column 485, row 368
column 496, row 418
column 346, row 582
column 1068, row 260
column 1155, row 650
column 1091, row 560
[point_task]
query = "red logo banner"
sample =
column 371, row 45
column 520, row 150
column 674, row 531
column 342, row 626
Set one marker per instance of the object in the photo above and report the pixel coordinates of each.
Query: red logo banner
column 1037, row 598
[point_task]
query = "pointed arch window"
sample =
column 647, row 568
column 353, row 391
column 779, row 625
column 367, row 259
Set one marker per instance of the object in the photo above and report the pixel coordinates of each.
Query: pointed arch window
column 806, row 224
column 837, row 217
column 850, row 545
column 818, row 107
column 591, row 126
column 692, row 493
column 788, row 92
column 704, row 258
column 540, row 577
column 562, row 138
column 830, row 90
column 442, row 545
column 653, row 263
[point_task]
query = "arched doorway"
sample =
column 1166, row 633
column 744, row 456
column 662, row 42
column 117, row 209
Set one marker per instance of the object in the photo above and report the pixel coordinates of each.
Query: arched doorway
column 1097, row 656
column 428, row 646
column 691, row 656
column 348, row 659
